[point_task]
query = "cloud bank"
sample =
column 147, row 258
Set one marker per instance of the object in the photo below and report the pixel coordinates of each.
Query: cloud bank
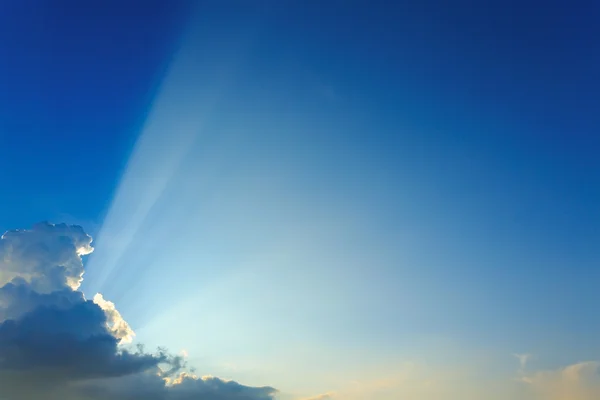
column 56, row 344
column 579, row 381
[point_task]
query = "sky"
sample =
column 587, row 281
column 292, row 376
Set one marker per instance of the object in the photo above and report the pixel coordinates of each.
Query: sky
column 299, row 200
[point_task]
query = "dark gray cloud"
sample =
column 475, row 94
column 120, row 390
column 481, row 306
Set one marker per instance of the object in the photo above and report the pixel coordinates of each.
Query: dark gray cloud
column 216, row 389
column 72, row 341
column 55, row 344
column 17, row 298
column 185, row 387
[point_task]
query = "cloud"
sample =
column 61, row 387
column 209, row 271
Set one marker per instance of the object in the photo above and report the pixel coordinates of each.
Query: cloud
column 72, row 341
column 187, row 386
column 523, row 360
column 579, row 381
column 17, row 298
column 324, row 396
column 182, row 387
column 116, row 324
column 56, row 344
column 47, row 256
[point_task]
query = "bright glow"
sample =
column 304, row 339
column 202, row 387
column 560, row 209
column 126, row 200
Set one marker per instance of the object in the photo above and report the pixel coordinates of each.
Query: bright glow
column 114, row 321
column 174, row 123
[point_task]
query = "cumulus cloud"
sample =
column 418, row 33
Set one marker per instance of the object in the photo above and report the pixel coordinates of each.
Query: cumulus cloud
column 56, row 344
column 116, row 324
column 48, row 256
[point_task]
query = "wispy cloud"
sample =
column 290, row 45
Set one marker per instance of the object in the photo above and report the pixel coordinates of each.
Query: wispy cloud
column 523, row 359
column 324, row 396
column 579, row 381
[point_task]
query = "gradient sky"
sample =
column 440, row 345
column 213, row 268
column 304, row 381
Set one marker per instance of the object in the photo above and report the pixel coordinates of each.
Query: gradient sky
column 332, row 191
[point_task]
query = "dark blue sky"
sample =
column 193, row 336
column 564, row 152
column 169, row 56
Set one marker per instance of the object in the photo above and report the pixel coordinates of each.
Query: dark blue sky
column 76, row 80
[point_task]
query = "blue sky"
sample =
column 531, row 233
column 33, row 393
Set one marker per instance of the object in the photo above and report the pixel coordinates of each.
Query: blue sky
column 308, row 196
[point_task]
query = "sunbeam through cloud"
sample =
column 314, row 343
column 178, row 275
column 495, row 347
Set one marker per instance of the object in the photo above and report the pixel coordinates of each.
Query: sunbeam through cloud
column 299, row 200
column 68, row 347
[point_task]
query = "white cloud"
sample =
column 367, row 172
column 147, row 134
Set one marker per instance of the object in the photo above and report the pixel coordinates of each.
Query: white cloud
column 47, row 256
column 114, row 321
column 579, row 381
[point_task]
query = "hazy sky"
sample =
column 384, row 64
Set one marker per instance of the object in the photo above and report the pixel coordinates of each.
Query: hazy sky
column 358, row 200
